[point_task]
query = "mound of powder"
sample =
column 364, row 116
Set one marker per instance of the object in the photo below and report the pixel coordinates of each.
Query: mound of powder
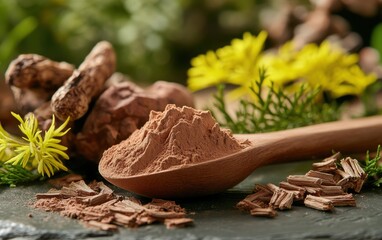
column 170, row 139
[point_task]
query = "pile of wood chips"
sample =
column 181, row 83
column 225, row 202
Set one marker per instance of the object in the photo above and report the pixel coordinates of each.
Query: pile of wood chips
column 324, row 187
column 97, row 206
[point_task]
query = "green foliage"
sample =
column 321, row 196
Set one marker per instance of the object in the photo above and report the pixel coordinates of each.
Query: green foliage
column 376, row 38
column 272, row 109
column 15, row 174
column 369, row 99
column 373, row 168
column 153, row 39
column 14, row 37
column 33, row 151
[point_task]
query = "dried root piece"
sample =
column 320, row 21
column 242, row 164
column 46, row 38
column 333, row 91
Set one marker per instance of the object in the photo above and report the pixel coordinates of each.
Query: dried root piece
column 34, row 71
column 33, row 80
column 318, row 203
column 73, row 98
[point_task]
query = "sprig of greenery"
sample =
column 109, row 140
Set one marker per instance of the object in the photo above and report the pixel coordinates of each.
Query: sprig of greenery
column 373, row 168
column 14, row 174
column 272, row 109
column 32, row 155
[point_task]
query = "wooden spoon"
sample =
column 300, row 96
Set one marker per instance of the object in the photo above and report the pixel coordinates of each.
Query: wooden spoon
column 217, row 175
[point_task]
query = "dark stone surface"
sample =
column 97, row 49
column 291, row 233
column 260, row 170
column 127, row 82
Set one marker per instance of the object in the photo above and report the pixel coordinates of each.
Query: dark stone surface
column 215, row 216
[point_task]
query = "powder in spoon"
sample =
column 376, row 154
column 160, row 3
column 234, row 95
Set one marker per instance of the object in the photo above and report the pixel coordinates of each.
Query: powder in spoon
column 174, row 138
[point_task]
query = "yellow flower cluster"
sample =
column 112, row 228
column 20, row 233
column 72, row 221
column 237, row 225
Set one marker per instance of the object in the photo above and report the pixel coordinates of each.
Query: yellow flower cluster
column 325, row 66
column 235, row 64
column 34, row 150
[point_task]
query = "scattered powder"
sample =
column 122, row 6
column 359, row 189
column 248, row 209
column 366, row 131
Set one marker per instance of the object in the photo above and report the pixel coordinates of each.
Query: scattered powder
column 96, row 206
column 174, row 138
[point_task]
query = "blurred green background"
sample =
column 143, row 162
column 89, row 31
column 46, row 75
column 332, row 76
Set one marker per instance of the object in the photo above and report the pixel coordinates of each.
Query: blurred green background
column 154, row 39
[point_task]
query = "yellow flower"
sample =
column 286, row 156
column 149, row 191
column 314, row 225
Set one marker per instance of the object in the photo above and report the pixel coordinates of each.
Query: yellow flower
column 325, row 66
column 279, row 64
column 207, row 71
column 34, row 150
column 234, row 64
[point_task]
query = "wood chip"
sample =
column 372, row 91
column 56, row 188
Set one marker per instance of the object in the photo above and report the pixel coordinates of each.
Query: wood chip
column 347, row 184
column 332, row 190
column 145, row 219
column 125, row 210
column 264, row 212
column 342, row 200
column 100, row 187
column 299, row 192
column 347, row 166
column 246, row 205
column 305, row 181
column 342, row 174
column 328, row 164
column 164, row 205
column 314, row 190
column 78, row 189
column 327, row 178
column 178, row 222
column 322, row 188
column 260, row 195
column 281, row 199
column 122, row 219
column 358, row 175
column 49, row 195
column 96, row 199
column 271, row 187
column 318, row 203
column 164, row 215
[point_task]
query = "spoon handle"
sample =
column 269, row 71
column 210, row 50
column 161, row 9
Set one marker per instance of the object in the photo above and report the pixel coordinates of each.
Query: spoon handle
column 346, row 136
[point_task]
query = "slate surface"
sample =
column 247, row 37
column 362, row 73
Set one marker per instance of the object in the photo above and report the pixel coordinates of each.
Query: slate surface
column 215, row 216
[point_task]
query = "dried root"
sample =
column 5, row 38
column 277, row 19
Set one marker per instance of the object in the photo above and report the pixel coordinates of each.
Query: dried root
column 33, row 79
column 35, row 71
column 73, row 98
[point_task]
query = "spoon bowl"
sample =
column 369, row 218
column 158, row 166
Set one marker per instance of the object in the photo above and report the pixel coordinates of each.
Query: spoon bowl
column 217, row 175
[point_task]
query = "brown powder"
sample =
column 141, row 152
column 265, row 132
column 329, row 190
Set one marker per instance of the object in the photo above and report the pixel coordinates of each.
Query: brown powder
column 170, row 139
column 96, row 206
